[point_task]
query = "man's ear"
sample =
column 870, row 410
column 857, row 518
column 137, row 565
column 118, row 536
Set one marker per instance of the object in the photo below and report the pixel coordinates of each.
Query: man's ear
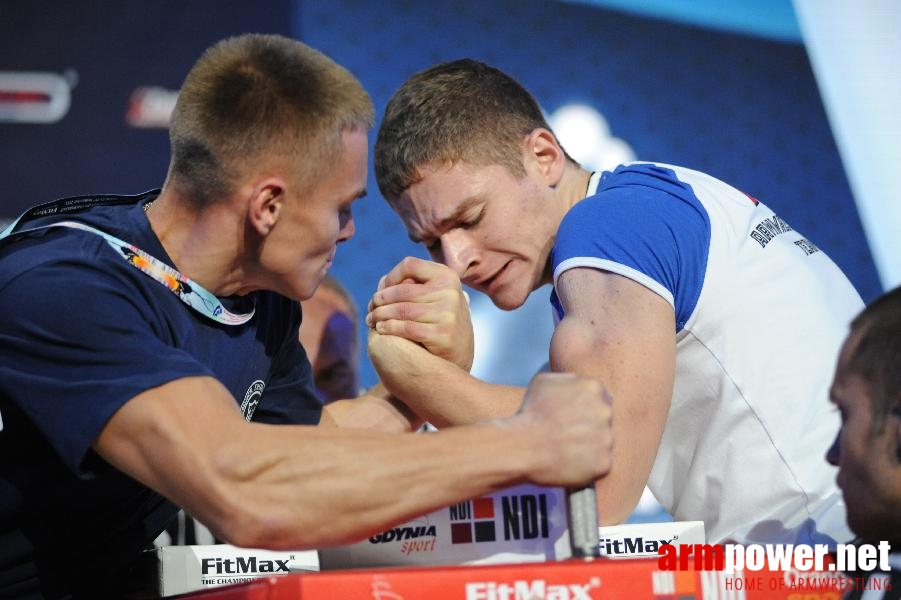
column 267, row 200
column 544, row 152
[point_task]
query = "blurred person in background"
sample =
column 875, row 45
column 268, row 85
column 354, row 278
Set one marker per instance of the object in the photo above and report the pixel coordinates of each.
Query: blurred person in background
column 328, row 334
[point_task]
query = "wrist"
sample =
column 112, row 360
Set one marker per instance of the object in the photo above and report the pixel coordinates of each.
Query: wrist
column 404, row 412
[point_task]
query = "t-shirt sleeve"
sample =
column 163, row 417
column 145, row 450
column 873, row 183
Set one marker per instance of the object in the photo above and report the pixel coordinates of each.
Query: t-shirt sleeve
column 289, row 397
column 74, row 348
column 656, row 237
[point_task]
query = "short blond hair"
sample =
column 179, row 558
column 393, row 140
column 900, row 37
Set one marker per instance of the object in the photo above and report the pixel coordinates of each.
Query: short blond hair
column 255, row 97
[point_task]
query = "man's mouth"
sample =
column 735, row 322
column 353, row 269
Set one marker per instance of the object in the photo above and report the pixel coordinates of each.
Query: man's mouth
column 487, row 283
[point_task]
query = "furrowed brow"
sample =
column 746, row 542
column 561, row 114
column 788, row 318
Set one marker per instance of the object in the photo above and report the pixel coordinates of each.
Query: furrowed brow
column 451, row 220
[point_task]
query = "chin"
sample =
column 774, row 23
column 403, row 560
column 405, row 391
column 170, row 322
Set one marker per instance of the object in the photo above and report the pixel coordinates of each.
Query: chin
column 508, row 299
column 299, row 290
column 863, row 528
column 306, row 292
column 310, row 281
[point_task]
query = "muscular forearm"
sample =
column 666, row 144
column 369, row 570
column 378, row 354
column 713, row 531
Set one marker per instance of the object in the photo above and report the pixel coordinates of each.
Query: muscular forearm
column 281, row 486
column 460, row 399
column 622, row 334
column 619, row 491
column 357, row 475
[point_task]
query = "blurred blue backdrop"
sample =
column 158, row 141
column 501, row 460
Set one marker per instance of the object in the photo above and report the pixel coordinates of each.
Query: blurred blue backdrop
column 735, row 97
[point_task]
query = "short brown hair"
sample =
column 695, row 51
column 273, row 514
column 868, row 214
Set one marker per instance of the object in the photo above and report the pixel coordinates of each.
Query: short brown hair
column 876, row 357
column 458, row 111
column 256, row 96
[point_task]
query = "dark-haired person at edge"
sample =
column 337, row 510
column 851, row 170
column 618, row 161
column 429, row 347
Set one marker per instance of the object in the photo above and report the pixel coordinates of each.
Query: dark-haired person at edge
column 866, row 390
column 149, row 353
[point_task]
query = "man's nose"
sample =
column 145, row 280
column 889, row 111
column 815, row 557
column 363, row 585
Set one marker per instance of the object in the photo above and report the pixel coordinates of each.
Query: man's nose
column 458, row 252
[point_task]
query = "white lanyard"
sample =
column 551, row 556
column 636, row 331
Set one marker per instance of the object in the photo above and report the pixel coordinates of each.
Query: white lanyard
column 188, row 291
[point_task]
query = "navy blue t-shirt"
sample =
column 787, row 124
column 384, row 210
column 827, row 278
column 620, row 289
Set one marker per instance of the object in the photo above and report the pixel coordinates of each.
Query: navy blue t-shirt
column 82, row 331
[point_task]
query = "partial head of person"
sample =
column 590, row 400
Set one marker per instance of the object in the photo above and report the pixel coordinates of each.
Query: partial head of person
column 866, row 390
column 328, row 334
column 466, row 158
column 277, row 131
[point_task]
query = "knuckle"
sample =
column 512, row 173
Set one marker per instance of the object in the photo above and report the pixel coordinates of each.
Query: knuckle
column 384, row 313
column 388, row 327
column 543, row 378
column 409, row 262
column 403, row 311
column 411, row 330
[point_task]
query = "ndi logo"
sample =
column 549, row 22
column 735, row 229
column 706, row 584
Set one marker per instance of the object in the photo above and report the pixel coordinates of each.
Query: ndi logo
column 472, row 520
column 523, row 517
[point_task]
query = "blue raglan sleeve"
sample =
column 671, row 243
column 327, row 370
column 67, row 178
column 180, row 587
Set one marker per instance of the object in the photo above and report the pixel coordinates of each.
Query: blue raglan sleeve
column 643, row 224
column 289, row 397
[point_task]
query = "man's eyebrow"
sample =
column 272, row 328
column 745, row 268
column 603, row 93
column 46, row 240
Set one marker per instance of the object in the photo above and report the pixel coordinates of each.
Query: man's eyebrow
column 450, row 220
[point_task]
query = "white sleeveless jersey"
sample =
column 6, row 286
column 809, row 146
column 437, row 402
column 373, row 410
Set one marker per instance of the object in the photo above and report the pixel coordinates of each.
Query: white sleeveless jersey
column 761, row 314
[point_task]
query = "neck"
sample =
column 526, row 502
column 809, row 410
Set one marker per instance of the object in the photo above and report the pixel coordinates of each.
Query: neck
column 573, row 185
column 568, row 191
column 204, row 244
